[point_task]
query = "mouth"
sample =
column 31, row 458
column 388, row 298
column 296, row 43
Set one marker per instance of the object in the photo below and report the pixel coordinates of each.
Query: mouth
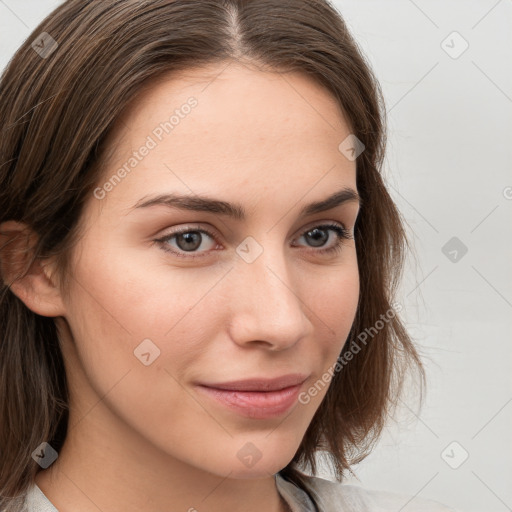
column 256, row 398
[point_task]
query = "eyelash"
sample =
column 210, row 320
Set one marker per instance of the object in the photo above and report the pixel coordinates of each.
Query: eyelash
column 341, row 232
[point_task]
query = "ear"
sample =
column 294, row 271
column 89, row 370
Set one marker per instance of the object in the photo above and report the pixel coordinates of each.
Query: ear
column 35, row 287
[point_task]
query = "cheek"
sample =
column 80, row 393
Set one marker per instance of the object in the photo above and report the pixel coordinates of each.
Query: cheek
column 333, row 298
column 122, row 303
column 119, row 307
column 338, row 297
column 333, row 301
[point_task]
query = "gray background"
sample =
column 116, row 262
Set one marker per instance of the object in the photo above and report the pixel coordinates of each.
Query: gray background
column 449, row 169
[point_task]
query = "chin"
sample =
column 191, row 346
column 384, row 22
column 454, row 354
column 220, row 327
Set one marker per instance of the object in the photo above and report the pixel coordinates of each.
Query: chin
column 268, row 461
column 248, row 463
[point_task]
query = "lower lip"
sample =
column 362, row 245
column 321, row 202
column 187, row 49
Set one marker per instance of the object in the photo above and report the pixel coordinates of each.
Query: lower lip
column 256, row 404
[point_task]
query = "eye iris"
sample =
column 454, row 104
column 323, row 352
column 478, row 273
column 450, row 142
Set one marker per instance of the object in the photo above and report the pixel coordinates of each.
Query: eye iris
column 319, row 236
column 188, row 237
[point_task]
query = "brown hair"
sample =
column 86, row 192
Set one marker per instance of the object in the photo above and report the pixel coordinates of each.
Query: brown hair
column 56, row 110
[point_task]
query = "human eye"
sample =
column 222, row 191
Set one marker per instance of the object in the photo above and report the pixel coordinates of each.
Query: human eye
column 319, row 237
column 188, row 240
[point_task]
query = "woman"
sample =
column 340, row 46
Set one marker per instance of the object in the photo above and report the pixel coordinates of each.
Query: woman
column 199, row 259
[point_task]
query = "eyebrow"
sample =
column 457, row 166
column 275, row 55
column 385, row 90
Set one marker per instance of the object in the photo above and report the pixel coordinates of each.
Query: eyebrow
column 201, row 203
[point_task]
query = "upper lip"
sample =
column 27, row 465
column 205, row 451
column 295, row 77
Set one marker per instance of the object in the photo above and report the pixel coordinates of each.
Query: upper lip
column 260, row 384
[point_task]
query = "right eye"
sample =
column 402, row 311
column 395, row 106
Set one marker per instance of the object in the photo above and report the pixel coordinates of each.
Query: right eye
column 187, row 240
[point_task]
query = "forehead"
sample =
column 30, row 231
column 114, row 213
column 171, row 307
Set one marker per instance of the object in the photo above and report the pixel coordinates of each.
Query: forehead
column 237, row 89
column 234, row 100
column 247, row 129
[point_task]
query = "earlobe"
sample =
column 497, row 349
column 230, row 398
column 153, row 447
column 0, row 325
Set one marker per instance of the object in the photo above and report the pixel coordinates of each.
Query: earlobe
column 34, row 287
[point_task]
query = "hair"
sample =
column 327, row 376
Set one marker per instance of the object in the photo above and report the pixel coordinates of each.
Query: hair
column 56, row 112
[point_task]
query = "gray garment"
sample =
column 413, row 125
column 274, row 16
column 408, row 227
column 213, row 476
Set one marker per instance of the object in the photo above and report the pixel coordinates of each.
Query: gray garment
column 330, row 497
column 336, row 497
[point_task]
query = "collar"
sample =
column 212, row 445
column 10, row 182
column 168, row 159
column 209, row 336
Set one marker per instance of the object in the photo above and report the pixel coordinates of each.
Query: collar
column 297, row 498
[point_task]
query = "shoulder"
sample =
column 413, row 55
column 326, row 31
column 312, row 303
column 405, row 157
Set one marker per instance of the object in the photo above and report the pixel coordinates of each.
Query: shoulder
column 335, row 496
column 36, row 501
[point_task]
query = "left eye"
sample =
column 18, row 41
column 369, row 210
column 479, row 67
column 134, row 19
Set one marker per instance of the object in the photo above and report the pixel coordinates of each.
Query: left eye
column 188, row 240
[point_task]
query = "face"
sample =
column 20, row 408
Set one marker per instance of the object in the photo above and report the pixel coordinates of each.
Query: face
column 171, row 295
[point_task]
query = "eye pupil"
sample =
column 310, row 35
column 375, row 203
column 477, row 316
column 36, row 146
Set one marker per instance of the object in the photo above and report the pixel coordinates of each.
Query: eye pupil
column 319, row 236
column 188, row 237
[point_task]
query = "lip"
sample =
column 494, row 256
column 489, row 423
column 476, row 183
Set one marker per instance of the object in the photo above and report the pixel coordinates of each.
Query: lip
column 259, row 384
column 256, row 398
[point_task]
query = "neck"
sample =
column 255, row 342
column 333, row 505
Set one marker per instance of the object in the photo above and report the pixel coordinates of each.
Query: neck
column 95, row 470
column 106, row 464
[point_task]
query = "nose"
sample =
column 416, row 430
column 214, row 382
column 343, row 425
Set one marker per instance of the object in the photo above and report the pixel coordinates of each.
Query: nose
column 266, row 304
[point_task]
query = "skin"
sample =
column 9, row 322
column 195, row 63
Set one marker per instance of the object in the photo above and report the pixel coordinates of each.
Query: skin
column 143, row 437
